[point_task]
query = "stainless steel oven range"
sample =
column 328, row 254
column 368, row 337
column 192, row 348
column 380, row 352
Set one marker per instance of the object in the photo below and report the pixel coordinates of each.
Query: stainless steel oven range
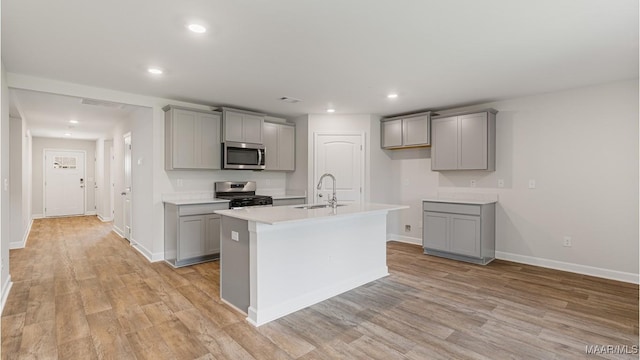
column 241, row 194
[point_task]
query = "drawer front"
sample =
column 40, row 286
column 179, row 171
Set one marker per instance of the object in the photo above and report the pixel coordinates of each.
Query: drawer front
column 201, row 209
column 466, row 209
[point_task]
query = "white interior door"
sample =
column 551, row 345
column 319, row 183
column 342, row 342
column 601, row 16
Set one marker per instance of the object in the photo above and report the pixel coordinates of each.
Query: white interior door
column 126, row 193
column 342, row 156
column 64, row 183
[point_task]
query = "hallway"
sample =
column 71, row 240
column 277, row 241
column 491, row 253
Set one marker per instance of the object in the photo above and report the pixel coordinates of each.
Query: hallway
column 81, row 292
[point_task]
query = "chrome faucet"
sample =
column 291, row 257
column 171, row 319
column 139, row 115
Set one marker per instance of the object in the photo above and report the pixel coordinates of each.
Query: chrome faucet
column 333, row 201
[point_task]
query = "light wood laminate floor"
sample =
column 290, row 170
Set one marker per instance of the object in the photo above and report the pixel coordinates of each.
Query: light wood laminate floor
column 81, row 292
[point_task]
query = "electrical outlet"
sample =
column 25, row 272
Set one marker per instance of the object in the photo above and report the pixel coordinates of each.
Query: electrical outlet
column 500, row 183
column 566, row 241
column 532, row 184
column 473, row 183
column 407, row 228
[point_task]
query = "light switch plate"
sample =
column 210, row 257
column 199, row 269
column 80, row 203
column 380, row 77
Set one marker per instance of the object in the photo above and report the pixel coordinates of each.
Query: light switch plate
column 234, row 236
column 500, row 183
column 532, row 184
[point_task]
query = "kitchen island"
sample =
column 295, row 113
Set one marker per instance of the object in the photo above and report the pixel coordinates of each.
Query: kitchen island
column 277, row 260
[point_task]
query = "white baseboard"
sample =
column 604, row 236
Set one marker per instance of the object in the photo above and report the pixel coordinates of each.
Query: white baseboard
column 37, row 216
column 104, row 219
column 22, row 244
column 404, row 239
column 93, row 212
column 118, row 231
column 570, row 267
column 6, row 288
column 152, row 257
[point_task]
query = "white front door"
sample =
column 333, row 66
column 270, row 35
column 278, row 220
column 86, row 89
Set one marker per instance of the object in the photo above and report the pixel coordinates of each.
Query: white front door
column 64, row 182
column 127, row 187
column 342, row 156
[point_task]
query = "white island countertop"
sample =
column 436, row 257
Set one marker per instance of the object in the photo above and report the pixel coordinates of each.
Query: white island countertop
column 288, row 214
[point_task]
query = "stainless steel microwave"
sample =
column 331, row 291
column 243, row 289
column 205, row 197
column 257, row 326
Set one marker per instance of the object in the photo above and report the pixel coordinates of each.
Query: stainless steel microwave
column 243, row 156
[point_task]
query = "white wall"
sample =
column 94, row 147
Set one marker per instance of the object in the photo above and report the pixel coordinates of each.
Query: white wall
column 20, row 217
column 142, row 170
column 5, row 279
column 38, row 146
column 581, row 147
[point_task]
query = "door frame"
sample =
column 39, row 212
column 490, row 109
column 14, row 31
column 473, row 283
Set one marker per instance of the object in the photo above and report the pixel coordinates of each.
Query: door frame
column 316, row 134
column 127, row 234
column 44, row 178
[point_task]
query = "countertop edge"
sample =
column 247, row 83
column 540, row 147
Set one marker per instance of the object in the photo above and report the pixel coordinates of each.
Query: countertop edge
column 195, row 201
column 462, row 201
column 248, row 217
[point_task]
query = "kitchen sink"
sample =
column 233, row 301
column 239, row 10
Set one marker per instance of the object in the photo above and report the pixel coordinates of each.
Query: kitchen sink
column 315, row 206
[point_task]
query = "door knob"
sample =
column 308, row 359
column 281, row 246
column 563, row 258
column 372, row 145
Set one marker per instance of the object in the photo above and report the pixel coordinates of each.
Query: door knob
column 123, row 193
column 319, row 195
column 82, row 186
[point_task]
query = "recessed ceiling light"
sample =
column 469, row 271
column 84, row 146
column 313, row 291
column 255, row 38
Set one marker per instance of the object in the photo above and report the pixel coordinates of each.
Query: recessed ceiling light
column 73, row 121
column 197, row 28
column 67, row 134
column 154, row 71
column 331, row 110
column 392, row 96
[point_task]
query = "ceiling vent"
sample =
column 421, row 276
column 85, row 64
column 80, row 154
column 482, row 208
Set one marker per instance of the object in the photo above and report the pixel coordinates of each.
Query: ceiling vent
column 108, row 104
column 290, row 100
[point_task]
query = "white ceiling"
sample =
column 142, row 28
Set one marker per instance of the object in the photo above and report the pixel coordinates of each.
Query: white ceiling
column 48, row 115
column 343, row 54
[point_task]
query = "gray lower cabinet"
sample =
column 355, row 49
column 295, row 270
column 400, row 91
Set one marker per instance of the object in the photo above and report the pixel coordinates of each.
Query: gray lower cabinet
column 290, row 201
column 192, row 139
column 192, row 233
column 459, row 231
column 464, row 141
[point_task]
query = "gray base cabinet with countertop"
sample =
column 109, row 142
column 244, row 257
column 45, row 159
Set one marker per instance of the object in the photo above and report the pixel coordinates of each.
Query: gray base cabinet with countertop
column 460, row 231
column 192, row 233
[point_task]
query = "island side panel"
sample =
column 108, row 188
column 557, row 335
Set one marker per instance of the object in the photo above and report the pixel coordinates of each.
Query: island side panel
column 299, row 264
column 234, row 263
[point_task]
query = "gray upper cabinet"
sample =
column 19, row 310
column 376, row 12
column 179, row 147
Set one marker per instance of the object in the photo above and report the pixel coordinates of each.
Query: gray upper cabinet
column 192, row 139
column 464, row 141
column 242, row 126
column 280, row 146
column 392, row 134
column 405, row 131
